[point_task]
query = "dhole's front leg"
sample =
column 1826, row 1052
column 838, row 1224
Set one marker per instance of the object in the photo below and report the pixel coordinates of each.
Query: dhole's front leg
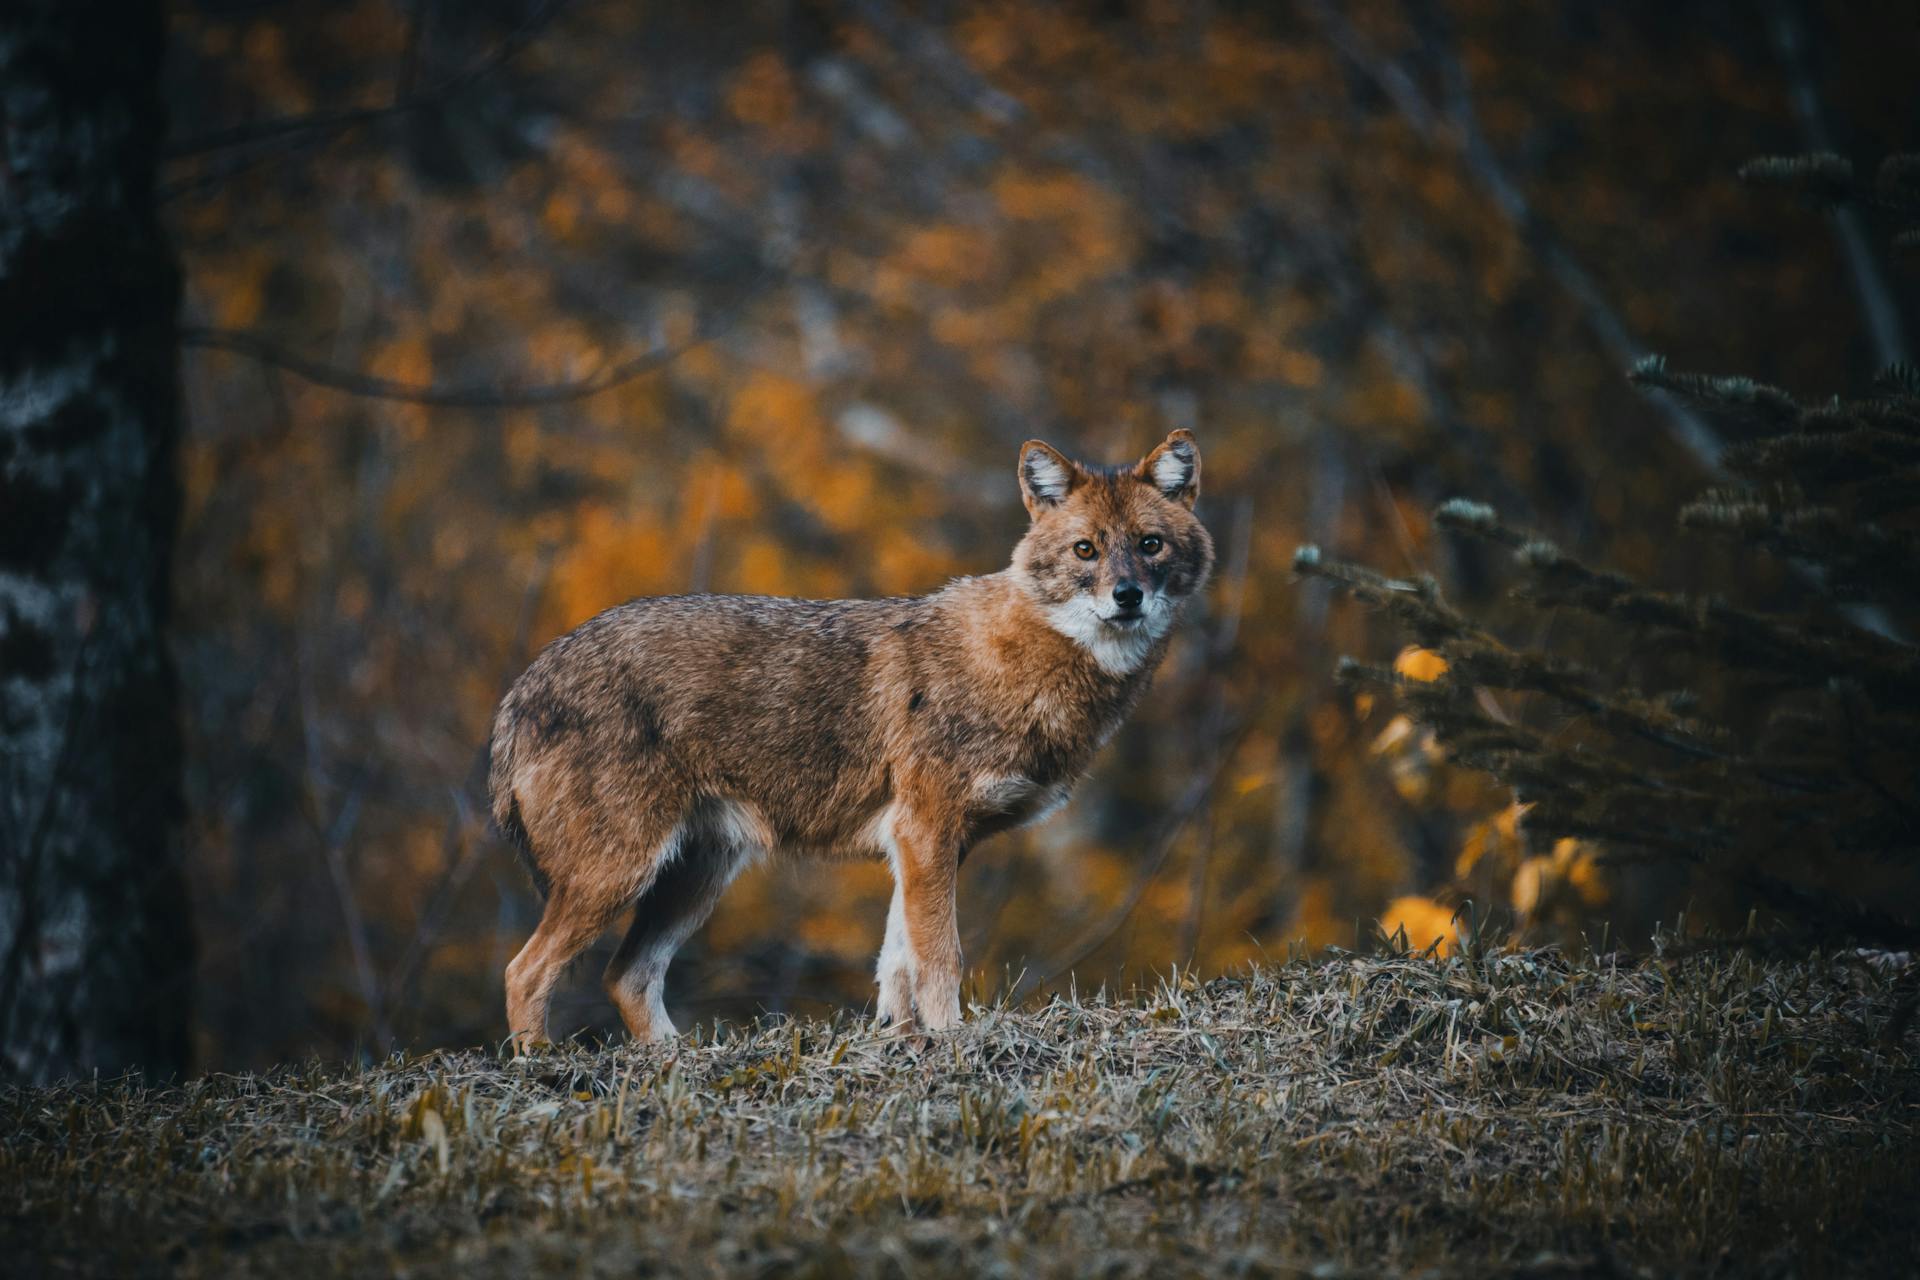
column 894, row 973
column 926, row 870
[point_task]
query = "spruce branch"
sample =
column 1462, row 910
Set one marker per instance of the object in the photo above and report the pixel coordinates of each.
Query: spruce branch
column 1898, row 180
column 1860, row 559
column 1820, row 177
column 1789, row 760
column 1901, row 378
column 1733, row 397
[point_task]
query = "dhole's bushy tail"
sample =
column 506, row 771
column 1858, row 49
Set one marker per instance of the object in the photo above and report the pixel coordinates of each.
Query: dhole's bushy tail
column 506, row 805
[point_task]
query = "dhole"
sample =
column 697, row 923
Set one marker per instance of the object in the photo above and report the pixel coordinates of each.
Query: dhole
column 650, row 753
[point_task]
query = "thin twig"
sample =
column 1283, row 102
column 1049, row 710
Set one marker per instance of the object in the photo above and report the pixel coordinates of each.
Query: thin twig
column 334, row 836
column 1459, row 127
column 463, row 847
column 469, row 396
column 1240, row 546
column 1198, row 788
column 331, row 122
column 1869, row 282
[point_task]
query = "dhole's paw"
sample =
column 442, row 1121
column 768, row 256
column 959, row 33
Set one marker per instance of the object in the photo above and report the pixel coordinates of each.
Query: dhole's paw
column 941, row 1018
column 894, row 1008
column 894, row 1004
column 654, row 1033
column 936, row 997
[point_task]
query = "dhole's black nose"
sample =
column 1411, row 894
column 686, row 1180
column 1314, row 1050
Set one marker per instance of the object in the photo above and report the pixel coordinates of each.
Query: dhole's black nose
column 1127, row 595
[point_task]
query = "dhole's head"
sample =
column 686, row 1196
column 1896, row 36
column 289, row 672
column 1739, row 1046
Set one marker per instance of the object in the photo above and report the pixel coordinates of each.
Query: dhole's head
column 1113, row 551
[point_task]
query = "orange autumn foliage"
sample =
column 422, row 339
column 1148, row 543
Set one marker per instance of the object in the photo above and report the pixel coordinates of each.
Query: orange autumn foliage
column 857, row 263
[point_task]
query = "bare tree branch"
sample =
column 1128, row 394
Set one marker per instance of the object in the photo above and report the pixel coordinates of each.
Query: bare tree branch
column 334, row 835
column 1239, row 553
column 1458, row 126
column 1462, row 131
column 466, row 835
column 410, row 51
column 456, row 396
column 1199, row 787
column 327, row 122
column 462, row 845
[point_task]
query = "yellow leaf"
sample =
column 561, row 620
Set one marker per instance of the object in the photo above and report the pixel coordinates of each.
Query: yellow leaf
column 1416, row 663
column 1529, row 884
column 1426, row 922
column 1397, row 733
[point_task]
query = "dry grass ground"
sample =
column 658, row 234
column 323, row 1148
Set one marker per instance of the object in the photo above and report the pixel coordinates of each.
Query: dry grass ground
column 1516, row 1113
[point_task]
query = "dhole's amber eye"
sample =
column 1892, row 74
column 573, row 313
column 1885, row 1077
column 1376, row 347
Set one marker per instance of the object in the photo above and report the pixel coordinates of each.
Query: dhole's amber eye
column 1083, row 549
column 1150, row 545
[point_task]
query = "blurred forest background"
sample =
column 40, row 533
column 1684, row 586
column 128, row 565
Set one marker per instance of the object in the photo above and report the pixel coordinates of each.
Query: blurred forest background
column 499, row 313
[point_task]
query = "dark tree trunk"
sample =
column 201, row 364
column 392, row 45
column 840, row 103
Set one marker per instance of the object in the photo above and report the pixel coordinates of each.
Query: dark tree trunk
column 95, row 939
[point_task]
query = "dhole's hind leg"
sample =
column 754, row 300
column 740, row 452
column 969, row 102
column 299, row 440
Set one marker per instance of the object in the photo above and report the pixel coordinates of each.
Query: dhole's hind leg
column 569, row 925
column 679, row 901
column 598, row 864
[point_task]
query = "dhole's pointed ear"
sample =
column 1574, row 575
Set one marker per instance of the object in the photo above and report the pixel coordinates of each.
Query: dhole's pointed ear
column 1174, row 468
column 1047, row 476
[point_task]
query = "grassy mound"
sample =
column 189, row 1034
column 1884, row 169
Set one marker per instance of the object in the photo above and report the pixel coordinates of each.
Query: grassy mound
column 1512, row 1113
